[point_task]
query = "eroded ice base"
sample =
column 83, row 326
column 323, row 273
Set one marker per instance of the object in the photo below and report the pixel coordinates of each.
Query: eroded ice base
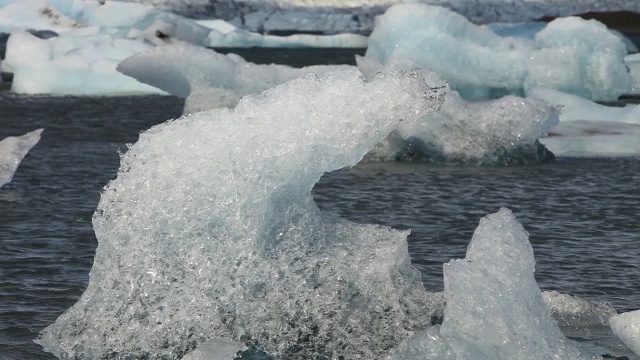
column 210, row 230
column 12, row 150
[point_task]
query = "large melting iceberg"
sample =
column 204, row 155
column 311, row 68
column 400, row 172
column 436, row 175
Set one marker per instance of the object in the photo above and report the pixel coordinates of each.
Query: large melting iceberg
column 210, row 230
column 12, row 150
column 205, row 78
column 570, row 54
column 494, row 307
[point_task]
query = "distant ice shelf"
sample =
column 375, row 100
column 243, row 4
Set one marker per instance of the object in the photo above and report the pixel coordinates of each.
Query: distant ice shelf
column 93, row 38
column 358, row 15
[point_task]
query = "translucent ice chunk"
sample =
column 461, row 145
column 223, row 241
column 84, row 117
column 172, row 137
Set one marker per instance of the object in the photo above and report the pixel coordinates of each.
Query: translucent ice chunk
column 210, row 230
column 626, row 326
column 569, row 310
column 12, row 150
column 569, row 54
column 216, row 349
column 494, row 307
column 205, row 78
column 497, row 132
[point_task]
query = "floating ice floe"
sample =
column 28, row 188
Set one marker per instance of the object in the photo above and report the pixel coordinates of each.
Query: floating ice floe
column 494, row 307
column 497, row 132
column 210, row 230
column 207, row 79
column 626, row 326
column 94, row 38
column 590, row 129
column 12, row 150
column 570, row 54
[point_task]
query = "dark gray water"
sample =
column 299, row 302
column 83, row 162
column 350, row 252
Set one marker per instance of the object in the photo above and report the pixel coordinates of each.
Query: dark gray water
column 581, row 213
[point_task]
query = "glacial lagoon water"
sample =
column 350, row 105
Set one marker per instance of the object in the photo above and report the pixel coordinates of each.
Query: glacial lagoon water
column 581, row 213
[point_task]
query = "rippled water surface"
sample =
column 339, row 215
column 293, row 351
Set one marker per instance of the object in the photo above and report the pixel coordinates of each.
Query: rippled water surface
column 582, row 214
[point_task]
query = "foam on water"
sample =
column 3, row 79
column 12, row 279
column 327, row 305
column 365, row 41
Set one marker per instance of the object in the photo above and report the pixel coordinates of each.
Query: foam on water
column 569, row 54
column 12, row 150
column 494, row 307
column 210, row 230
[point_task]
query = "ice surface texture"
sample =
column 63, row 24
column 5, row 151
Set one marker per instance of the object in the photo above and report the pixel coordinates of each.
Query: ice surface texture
column 12, row 150
column 569, row 54
column 626, row 326
column 494, row 307
column 205, row 78
column 210, row 230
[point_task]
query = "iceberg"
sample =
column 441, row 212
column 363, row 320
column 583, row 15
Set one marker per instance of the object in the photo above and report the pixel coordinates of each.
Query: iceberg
column 495, row 309
column 207, row 79
column 210, row 230
column 570, row 54
column 626, row 326
column 497, row 132
column 12, row 150
column 358, row 15
column 590, row 129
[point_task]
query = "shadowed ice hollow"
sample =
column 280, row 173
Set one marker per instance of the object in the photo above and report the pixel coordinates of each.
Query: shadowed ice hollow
column 494, row 307
column 12, row 150
column 210, row 230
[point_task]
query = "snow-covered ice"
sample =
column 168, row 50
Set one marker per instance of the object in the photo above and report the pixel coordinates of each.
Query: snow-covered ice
column 12, row 150
column 494, row 307
column 626, row 326
column 570, row 54
column 590, row 129
column 210, row 230
column 95, row 37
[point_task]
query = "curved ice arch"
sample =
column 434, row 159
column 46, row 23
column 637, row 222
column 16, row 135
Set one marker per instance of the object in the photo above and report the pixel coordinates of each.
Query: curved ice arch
column 207, row 79
column 497, row 132
column 569, row 54
column 12, row 150
column 494, row 307
column 210, row 230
